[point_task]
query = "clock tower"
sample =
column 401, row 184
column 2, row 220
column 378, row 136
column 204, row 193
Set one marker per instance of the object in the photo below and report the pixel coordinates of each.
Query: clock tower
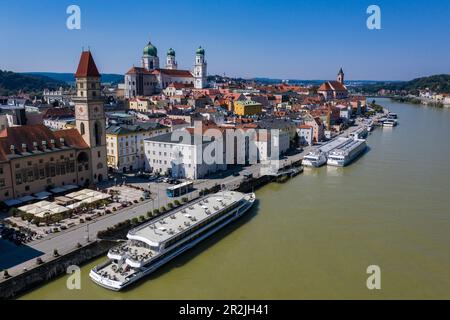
column 90, row 116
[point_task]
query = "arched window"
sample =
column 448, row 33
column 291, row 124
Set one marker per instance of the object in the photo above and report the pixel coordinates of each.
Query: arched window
column 98, row 133
column 82, row 128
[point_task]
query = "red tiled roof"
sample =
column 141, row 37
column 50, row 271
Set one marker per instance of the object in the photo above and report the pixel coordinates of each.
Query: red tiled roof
column 29, row 134
column 72, row 138
column 57, row 112
column 136, row 70
column 175, row 73
column 336, row 85
column 86, row 66
column 325, row 87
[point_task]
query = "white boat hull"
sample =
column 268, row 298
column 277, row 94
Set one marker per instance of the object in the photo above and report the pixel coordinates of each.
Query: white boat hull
column 116, row 285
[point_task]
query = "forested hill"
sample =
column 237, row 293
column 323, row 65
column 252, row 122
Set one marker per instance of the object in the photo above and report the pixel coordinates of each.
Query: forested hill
column 437, row 83
column 11, row 83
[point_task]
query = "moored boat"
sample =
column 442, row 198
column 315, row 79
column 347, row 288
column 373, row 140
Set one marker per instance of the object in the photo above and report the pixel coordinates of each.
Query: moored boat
column 345, row 154
column 155, row 243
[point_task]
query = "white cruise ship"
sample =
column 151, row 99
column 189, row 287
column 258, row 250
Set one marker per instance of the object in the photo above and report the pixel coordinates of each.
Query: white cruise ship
column 318, row 157
column 346, row 153
column 155, row 243
column 360, row 133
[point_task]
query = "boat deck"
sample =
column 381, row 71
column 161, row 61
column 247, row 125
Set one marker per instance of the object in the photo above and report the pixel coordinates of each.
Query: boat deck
column 170, row 226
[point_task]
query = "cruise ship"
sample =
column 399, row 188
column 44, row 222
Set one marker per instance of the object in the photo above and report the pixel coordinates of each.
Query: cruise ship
column 318, row 157
column 155, row 243
column 390, row 123
column 346, row 153
column 360, row 133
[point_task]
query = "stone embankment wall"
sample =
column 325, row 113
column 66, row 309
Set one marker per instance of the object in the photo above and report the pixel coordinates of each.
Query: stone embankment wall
column 51, row 269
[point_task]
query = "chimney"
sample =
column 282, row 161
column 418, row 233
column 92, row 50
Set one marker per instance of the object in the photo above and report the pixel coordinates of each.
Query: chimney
column 44, row 144
column 61, row 140
column 52, row 143
column 24, row 147
column 35, row 145
column 12, row 148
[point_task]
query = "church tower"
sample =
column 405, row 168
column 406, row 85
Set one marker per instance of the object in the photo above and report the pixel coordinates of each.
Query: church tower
column 340, row 77
column 90, row 116
column 171, row 63
column 200, row 69
column 150, row 58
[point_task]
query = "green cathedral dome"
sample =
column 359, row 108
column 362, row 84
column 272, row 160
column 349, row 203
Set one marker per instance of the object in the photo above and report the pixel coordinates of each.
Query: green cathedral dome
column 150, row 50
column 171, row 52
column 200, row 50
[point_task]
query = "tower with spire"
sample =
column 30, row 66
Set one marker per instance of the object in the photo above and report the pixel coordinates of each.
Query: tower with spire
column 200, row 69
column 90, row 116
column 150, row 58
column 171, row 63
column 340, row 77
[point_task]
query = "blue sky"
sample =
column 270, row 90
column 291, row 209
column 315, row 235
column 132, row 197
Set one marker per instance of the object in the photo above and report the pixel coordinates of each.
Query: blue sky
column 290, row 39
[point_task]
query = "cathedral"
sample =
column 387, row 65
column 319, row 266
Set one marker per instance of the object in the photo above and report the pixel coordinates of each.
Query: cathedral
column 150, row 78
column 34, row 158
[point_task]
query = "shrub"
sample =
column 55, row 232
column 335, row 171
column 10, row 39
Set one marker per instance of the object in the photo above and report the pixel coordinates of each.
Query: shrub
column 135, row 201
column 162, row 209
column 39, row 261
column 149, row 214
column 155, row 212
column 184, row 199
column 170, row 205
column 177, row 203
column 107, row 211
column 141, row 218
column 81, row 220
column 55, row 253
column 114, row 209
column 141, row 199
column 79, row 245
column 134, row 221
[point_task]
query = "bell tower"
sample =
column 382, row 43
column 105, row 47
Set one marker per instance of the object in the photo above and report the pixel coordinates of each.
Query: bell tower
column 340, row 77
column 90, row 116
column 200, row 72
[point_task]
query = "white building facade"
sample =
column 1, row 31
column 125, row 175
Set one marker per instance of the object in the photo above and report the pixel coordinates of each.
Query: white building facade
column 180, row 160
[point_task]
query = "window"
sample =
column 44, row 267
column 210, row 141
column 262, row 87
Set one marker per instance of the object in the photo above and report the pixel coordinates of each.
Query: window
column 99, row 154
column 97, row 133
column 82, row 131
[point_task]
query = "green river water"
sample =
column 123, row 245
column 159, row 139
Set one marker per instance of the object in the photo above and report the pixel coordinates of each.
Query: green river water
column 314, row 236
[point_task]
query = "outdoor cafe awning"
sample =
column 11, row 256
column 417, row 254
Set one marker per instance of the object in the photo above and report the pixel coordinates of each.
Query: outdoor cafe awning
column 42, row 195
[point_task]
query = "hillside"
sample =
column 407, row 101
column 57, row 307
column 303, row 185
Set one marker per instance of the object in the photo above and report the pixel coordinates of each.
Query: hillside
column 69, row 77
column 11, row 83
column 437, row 83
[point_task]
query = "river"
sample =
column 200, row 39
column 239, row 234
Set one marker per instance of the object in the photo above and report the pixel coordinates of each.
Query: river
column 314, row 236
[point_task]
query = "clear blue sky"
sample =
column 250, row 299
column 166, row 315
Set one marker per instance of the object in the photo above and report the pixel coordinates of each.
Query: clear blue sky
column 280, row 39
